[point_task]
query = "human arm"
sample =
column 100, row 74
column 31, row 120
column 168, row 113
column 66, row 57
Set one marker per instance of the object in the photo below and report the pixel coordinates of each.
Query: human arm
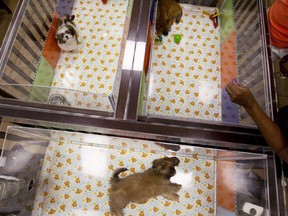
column 269, row 130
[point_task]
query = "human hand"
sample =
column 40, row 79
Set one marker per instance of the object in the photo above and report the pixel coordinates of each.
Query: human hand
column 240, row 95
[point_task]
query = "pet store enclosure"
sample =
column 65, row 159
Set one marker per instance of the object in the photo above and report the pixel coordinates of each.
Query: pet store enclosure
column 187, row 80
column 56, row 172
column 35, row 69
column 124, row 99
column 113, row 74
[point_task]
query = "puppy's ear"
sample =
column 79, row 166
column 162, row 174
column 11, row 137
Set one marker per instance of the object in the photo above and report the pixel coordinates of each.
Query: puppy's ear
column 162, row 13
column 176, row 161
column 157, row 164
column 60, row 22
column 158, row 14
column 72, row 30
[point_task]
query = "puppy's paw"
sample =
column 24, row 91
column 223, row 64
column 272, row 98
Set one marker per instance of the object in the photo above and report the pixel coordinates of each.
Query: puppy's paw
column 177, row 197
column 172, row 197
column 142, row 201
column 175, row 186
column 178, row 187
column 116, row 211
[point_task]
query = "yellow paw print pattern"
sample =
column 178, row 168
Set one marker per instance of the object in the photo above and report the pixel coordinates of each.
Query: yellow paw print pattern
column 92, row 69
column 185, row 78
column 74, row 179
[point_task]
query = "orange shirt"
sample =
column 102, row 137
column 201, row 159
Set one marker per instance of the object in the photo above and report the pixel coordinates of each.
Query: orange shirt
column 278, row 20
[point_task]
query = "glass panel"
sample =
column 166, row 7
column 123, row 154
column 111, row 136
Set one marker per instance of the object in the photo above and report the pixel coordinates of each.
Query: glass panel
column 70, row 48
column 65, row 97
column 68, row 173
column 219, row 41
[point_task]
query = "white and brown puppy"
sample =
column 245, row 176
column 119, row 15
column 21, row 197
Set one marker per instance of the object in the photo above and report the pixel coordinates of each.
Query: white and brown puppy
column 66, row 34
column 168, row 12
column 140, row 187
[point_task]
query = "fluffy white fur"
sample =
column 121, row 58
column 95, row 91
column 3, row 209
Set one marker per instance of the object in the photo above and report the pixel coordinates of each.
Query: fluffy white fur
column 66, row 36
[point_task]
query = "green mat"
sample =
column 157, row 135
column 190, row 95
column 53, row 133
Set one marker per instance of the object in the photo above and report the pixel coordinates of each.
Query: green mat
column 226, row 20
column 42, row 83
column 142, row 94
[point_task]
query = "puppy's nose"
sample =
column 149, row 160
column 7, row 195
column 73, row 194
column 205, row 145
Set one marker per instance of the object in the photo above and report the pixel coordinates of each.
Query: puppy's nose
column 165, row 33
column 67, row 37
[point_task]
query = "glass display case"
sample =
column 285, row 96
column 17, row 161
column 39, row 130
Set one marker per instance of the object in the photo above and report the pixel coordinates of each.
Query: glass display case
column 56, row 172
column 120, row 70
column 84, row 75
column 221, row 41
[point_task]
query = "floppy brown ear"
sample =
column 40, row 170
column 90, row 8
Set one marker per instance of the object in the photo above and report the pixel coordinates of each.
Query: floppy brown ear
column 158, row 14
column 176, row 161
column 157, row 164
column 170, row 14
column 162, row 13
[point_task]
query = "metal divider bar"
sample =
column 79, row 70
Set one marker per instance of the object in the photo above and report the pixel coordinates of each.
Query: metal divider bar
column 138, row 64
column 128, row 60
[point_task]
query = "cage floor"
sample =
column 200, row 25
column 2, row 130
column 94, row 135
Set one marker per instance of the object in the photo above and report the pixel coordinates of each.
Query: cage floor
column 75, row 176
column 92, row 70
column 185, row 78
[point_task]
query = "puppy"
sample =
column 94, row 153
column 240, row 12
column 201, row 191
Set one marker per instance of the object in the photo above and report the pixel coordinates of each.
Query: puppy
column 140, row 187
column 66, row 34
column 168, row 12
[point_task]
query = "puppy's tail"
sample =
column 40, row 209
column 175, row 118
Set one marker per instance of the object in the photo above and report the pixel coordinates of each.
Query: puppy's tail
column 115, row 177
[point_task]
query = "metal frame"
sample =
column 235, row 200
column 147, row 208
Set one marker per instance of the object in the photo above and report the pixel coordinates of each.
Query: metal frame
column 138, row 65
column 229, row 136
column 128, row 60
column 33, row 106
